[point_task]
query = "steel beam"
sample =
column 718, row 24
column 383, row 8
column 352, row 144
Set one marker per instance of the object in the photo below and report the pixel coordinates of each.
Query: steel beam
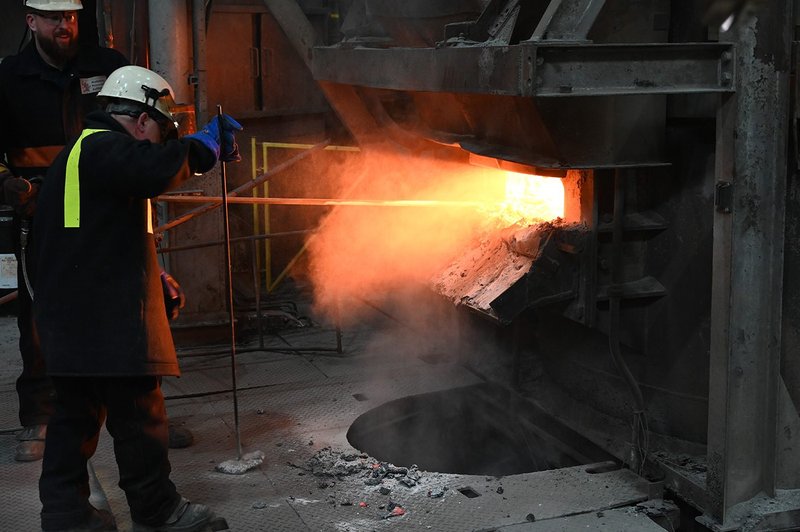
column 529, row 69
column 747, row 283
column 567, row 21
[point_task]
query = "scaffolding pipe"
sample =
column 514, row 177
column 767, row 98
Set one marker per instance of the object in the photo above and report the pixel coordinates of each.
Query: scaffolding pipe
column 249, row 238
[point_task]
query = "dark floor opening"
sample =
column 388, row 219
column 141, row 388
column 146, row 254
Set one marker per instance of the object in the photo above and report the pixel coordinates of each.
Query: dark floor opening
column 478, row 430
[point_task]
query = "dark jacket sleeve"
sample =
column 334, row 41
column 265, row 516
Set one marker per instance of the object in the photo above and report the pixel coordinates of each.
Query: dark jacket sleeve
column 139, row 168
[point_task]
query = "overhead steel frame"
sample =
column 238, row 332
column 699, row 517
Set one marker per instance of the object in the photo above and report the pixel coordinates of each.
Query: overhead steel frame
column 534, row 69
column 750, row 70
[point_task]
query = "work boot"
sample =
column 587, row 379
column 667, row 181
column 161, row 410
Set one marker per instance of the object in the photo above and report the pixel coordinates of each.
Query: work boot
column 97, row 520
column 179, row 437
column 187, row 517
column 31, row 443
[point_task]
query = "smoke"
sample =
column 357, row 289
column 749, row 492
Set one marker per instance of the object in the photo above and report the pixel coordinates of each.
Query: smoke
column 375, row 252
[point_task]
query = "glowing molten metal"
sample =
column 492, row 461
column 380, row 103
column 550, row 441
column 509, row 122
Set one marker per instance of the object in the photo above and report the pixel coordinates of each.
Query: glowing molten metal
column 529, row 199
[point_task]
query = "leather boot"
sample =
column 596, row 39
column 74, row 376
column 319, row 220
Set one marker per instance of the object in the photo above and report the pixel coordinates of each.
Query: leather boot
column 31, row 443
column 187, row 517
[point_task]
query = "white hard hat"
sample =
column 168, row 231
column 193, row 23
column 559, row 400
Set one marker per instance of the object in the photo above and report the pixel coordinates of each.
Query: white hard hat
column 138, row 84
column 54, row 5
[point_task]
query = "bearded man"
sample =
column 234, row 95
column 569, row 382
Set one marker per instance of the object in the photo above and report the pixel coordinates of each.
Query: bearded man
column 45, row 93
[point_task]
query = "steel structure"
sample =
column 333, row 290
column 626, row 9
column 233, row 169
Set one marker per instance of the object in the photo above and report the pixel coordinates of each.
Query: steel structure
column 567, row 85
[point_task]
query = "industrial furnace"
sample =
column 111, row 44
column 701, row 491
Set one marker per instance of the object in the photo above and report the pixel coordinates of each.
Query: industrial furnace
column 650, row 320
column 663, row 297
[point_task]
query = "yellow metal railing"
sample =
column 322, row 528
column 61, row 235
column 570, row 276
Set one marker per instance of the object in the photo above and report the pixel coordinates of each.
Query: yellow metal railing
column 261, row 225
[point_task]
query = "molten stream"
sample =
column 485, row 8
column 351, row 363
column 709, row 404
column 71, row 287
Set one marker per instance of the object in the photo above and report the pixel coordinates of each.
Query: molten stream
column 529, row 199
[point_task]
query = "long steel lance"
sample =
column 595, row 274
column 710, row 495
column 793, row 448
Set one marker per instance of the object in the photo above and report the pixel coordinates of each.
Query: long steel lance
column 246, row 187
column 226, row 228
column 329, row 202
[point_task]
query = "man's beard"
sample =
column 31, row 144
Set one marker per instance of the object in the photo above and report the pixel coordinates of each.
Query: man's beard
column 58, row 52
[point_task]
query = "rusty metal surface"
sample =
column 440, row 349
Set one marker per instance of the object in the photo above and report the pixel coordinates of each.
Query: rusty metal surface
column 515, row 270
column 553, row 106
column 534, row 69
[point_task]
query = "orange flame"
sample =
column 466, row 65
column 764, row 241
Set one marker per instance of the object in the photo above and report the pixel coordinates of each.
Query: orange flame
column 374, row 252
column 529, row 199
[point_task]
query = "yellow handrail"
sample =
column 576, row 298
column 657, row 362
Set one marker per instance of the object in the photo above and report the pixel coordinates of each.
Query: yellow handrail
column 265, row 146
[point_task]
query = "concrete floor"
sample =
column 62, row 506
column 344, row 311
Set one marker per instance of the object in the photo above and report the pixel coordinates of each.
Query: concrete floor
column 293, row 407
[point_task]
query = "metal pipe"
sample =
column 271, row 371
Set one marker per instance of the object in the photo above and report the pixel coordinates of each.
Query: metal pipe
column 247, row 187
column 104, row 23
column 169, row 45
column 199, row 78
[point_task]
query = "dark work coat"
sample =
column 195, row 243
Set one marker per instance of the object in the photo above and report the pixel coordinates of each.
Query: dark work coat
column 98, row 302
column 41, row 106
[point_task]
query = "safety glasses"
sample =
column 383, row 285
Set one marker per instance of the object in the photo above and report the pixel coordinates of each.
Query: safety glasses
column 55, row 18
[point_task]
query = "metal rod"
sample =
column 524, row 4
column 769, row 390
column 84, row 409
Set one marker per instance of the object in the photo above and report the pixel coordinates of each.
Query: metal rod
column 226, row 228
column 250, row 185
column 327, row 202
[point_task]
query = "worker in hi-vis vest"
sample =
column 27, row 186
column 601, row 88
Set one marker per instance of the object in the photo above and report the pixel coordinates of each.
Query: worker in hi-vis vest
column 99, row 305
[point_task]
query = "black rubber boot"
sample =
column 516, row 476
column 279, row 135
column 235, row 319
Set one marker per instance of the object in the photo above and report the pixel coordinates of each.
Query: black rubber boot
column 187, row 517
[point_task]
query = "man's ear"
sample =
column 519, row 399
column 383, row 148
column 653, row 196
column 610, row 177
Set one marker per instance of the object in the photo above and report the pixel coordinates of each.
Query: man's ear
column 31, row 21
column 141, row 122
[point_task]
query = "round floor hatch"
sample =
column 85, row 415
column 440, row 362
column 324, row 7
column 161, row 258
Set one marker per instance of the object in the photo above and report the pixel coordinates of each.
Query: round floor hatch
column 478, row 430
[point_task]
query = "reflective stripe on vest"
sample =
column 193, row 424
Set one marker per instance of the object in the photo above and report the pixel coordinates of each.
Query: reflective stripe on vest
column 35, row 157
column 72, row 185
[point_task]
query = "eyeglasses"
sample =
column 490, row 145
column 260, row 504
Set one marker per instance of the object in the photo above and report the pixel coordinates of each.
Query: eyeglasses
column 69, row 17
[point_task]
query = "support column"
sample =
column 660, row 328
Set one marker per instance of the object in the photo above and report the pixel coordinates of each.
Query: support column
column 747, row 285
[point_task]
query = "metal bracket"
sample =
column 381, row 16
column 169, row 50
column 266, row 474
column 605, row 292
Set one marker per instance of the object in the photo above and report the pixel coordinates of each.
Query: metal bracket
column 723, row 197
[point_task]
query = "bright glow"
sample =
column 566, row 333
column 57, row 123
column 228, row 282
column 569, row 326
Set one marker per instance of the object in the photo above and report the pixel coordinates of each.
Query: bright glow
column 530, row 199
column 374, row 252
column 728, row 23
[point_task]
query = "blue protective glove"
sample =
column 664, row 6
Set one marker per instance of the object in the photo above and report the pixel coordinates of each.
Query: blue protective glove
column 229, row 149
column 225, row 147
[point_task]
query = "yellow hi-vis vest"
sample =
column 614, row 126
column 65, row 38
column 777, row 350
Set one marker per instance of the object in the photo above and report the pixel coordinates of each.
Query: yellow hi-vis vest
column 72, row 186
